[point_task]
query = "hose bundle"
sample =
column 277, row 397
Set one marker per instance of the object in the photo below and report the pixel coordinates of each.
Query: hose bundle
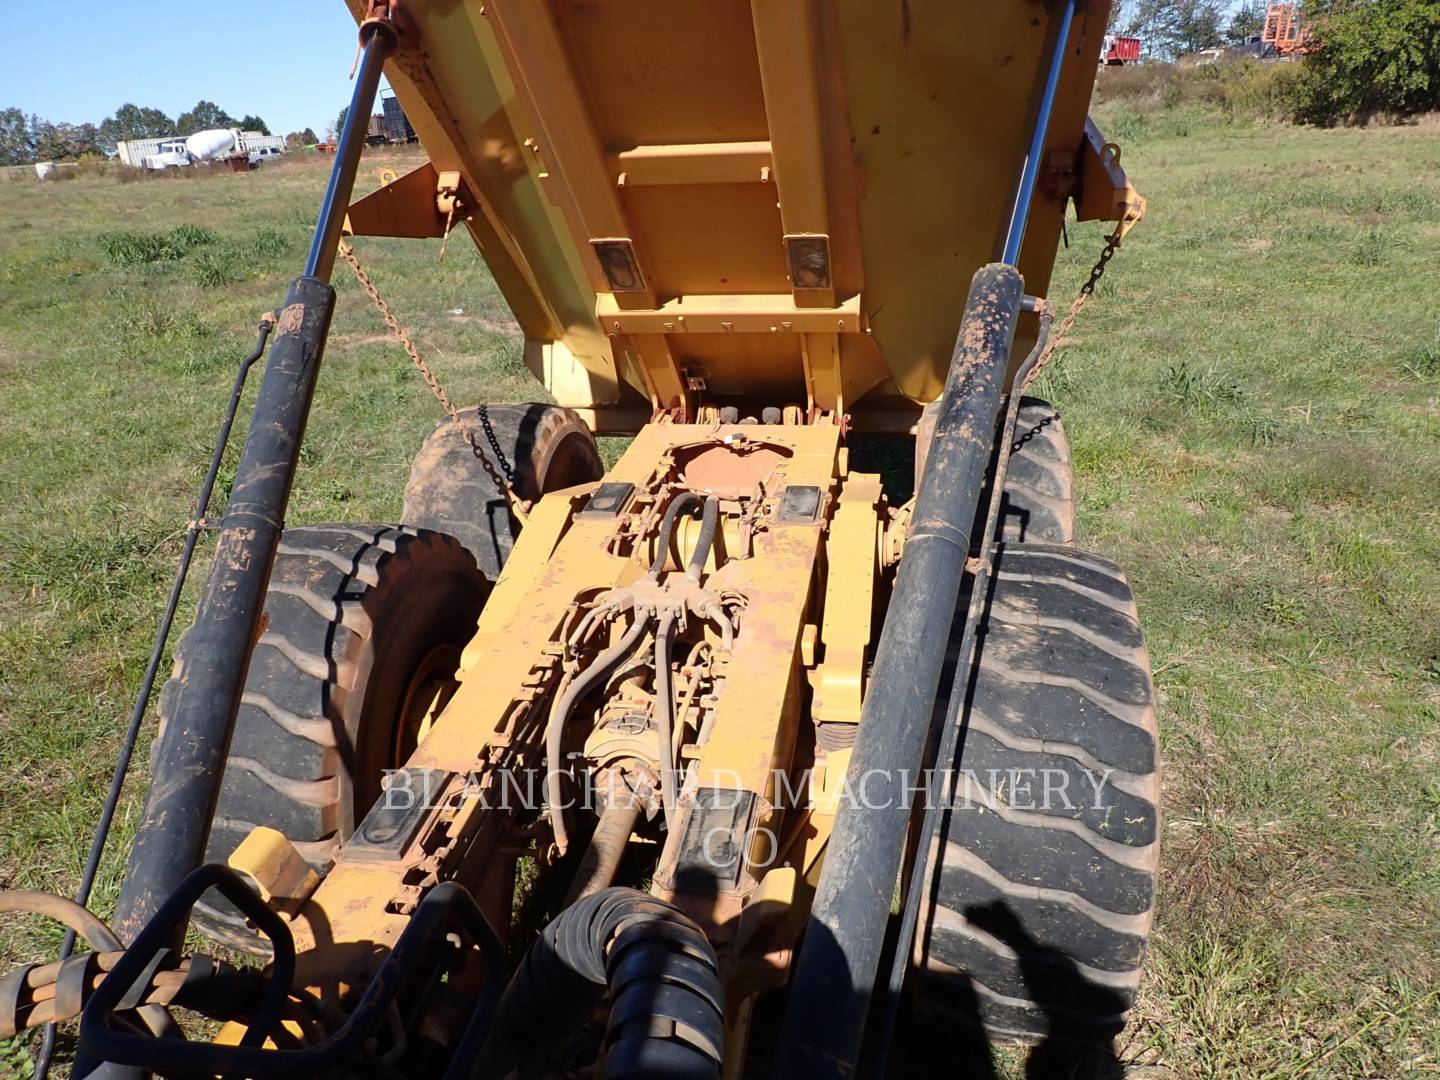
column 666, row 1006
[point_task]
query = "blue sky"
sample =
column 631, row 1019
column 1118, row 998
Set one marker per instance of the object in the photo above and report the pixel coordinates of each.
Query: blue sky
column 283, row 60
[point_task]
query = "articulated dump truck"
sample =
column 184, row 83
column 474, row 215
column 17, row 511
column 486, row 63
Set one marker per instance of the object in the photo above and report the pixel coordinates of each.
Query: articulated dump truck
column 732, row 758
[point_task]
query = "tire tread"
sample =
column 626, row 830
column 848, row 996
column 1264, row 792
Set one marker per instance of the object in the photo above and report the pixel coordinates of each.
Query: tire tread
column 1037, row 917
column 292, row 750
column 1038, row 501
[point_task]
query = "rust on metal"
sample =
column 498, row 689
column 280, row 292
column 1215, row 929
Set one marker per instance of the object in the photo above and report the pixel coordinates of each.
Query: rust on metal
column 291, row 319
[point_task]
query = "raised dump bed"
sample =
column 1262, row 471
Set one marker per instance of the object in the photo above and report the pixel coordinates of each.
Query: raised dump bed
column 696, row 205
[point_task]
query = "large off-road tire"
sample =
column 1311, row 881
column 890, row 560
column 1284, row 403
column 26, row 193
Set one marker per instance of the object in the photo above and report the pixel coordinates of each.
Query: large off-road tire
column 1038, row 504
column 1040, row 899
column 449, row 490
column 363, row 628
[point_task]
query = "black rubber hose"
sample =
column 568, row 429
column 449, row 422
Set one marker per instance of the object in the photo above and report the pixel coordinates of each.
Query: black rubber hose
column 708, row 525
column 555, row 731
column 681, row 502
column 666, row 1005
column 157, row 652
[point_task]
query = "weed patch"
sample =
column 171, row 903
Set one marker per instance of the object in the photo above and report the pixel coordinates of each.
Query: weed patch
column 271, row 243
column 1372, row 248
column 217, row 268
column 1199, row 390
column 1423, row 360
column 138, row 249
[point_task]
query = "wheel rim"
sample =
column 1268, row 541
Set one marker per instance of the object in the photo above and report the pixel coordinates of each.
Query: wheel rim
column 430, row 690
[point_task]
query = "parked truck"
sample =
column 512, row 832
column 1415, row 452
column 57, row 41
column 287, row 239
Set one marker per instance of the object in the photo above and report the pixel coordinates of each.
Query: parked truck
column 1120, row 49
column 1285, row 35
column 213, row 144
column 394, row 123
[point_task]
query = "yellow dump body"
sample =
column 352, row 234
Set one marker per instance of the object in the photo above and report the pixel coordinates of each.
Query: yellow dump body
column 693, row 204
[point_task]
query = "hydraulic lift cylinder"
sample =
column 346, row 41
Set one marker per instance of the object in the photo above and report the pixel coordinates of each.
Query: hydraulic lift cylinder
column 195, row 742
column 190, row 758
column 831, row 986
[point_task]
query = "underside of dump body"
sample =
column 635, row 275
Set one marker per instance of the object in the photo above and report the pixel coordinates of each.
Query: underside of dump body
column 735, row 757
column 691, row 206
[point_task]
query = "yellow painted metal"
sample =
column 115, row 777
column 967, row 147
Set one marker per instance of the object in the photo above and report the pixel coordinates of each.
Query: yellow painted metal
column 567, row 137
column 549, row 519
column 404, row 207
column 489, row 731
column 785, row 46
column 725, row 313
column 1106, row 194
column 852, row 555
column 464, row 107
column 663, row 379
column 718, row 153
column 271, row 862
column 694, row 163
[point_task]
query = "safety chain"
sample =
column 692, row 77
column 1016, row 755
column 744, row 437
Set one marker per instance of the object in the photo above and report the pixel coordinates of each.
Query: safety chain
column 505, row 483
column 1034, row 432
column 1061, row 332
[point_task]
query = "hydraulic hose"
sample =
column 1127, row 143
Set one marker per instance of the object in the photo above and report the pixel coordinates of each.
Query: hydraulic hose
column 582, row 684
column 666, row 1005
column 79, row 920
column 607, row 847
column 63, row 910
column 708, row 524
column 665, row 715
column 681, row 502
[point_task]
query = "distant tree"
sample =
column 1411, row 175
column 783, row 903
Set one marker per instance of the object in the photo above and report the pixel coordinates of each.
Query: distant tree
column 1246, row 21
column 1149, row 19
column 1199, row 26
column 1381, row 56
column 253, row 123
column 204, row 116
column 62, row 142
column 133, row 122
column 302, row 138
column 86, row 140
column 17, row 147
column 339, row 123
column 47, row 139
column 1175, row 28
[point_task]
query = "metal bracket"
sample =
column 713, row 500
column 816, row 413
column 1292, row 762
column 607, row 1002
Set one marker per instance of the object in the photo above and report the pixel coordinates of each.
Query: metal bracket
column 416, row 206
column 1104, row 192
column 271, row 862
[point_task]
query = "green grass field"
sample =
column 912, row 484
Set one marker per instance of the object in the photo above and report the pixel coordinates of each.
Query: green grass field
column 1253, row 405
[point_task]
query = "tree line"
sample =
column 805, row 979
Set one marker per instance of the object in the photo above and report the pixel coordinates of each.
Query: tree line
column 1364, row 58
column 1369, row 58
column 1175, row 28
column 24, row 139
